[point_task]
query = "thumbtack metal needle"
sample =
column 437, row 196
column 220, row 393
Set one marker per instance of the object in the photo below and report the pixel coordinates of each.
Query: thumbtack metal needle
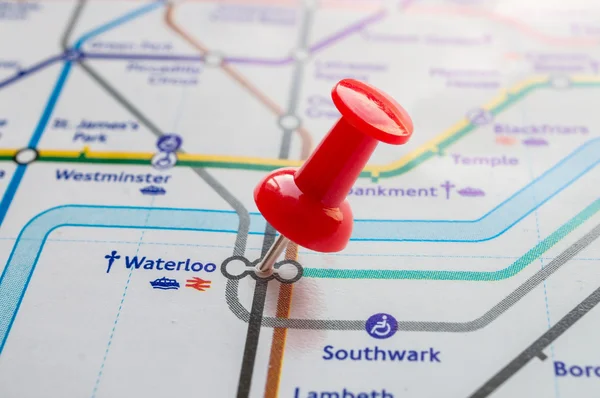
column 266, row 264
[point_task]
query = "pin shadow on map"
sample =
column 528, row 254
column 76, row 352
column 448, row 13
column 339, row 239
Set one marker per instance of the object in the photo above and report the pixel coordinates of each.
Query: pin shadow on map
column 238, row 267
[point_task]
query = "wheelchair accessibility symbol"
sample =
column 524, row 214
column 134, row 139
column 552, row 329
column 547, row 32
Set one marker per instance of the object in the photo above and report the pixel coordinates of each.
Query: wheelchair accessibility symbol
column 164, row 160
column 381, row 326
column 169, row 143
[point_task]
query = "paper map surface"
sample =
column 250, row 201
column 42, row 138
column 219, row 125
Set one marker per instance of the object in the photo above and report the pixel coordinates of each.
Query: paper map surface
column 132, row 135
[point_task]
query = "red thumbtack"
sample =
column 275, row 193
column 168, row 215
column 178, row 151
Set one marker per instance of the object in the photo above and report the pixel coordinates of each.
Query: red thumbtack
column 308, row 205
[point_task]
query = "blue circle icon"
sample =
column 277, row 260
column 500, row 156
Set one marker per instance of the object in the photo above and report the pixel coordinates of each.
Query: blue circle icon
column 381, row 326
column 169, row 143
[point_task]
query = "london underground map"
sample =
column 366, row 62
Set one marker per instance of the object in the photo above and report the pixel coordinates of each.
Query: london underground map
column 132, row 135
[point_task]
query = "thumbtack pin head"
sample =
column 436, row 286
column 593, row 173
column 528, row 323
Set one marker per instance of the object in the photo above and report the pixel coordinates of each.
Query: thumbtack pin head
column 372, row 111
column 308, row 205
